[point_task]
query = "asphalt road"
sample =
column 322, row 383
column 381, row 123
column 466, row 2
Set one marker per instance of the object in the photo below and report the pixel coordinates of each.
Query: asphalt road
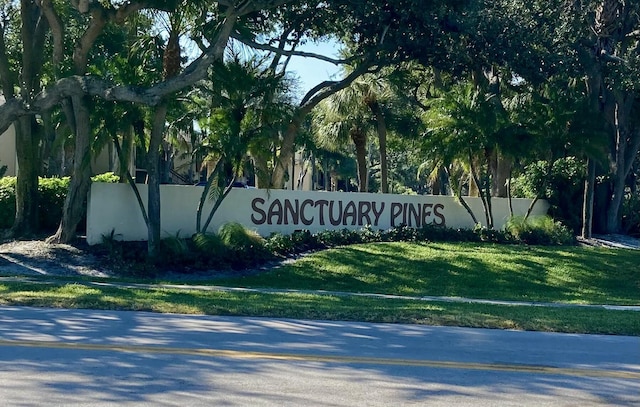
column 103, row 358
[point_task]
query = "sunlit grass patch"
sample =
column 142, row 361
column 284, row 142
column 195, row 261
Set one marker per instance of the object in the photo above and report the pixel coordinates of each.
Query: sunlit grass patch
column 507, row 272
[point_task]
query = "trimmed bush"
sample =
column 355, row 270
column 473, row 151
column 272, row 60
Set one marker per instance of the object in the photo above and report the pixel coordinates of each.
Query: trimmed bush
column 7, row 201
column 52, row 193
column 539, row 231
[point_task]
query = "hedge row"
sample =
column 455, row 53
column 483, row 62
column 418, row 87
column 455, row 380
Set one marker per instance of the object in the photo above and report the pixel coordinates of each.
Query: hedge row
column 52, row 193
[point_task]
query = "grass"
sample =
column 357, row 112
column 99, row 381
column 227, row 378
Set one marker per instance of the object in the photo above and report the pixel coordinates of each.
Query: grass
column 505, row 272
column 549, row 274
column 323, row 307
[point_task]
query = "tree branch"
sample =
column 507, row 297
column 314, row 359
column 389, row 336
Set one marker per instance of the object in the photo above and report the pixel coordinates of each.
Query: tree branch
column 327, row 88
column 90, row 85
column 57, row 31
column 284, row 52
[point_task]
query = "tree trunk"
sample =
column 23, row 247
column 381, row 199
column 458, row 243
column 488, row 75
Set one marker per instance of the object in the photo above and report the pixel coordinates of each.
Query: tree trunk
column 587, row 204
column 501, row 176
column 153, row 172
column 474, row 189
column 627, row 141
column 74, row 204
column 261, row 169
column 287, row 148
column 26, row 216
column 381, row 127
column 359, row 139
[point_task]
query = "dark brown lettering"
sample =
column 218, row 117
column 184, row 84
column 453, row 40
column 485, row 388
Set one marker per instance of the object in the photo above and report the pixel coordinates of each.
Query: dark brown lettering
column 413, row 215
column 289, row 209
column 363, row 212
column 321, row 204
column 436, row 211
column 396, row 210
column 350, row 211
column 275, row 210
column 338, row 220
column 377, row 214
column 303, row 205
column 259, row 211
column 426, row 214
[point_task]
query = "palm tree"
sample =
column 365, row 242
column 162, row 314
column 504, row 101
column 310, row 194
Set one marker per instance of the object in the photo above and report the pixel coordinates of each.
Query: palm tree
column 343, row 118
column 465, row 125
column 237, row 122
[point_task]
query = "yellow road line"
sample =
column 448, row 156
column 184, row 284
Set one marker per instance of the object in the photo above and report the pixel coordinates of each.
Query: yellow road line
column 505, row 367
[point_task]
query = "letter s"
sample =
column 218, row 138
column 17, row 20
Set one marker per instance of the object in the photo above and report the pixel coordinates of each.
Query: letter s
column 436, row 212
column 259, row 211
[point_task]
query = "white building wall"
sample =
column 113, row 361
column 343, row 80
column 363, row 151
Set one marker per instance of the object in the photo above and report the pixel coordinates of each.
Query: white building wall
column 8, row 151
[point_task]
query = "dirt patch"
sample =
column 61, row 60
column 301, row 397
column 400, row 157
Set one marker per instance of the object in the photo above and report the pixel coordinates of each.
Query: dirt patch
column 36, row 257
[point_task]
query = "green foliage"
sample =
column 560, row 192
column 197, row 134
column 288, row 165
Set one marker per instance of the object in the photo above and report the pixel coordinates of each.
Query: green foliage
column 237, row 248
column 236, row 237
column 209, row 251
column 491, row 235
column 109, row 177
column 280, row 244
column 51, row 194
column 541, row 230
column 7, row 201
column 234, row 246
column 631, row 213
column 561, row 185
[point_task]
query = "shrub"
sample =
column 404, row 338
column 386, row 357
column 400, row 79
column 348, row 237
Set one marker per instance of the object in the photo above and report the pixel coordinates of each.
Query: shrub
column 402, row 233
column 541, row 230
column 491, row 235
column 631, row 214
column 563, row 188
column 108, row 177
column 52, row 193
column 175, row 250
column 7, row 201
column 208, row 243
column 245, row 247
column 332, row 238
column 280, row 244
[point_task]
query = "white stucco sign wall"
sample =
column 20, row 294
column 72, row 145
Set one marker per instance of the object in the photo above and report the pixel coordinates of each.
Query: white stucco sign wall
column 112, row 208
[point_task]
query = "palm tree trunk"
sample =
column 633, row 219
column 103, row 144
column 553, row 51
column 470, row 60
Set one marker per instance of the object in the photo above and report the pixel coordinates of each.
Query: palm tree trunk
column 360, row 141
column 153, row 171
column 382, row 142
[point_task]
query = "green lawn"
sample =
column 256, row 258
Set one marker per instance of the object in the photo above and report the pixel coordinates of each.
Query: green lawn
column 548, row 274
column 321, row 307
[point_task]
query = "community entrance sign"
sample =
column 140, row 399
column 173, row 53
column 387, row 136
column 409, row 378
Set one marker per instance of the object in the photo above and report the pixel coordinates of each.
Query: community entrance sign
column 112, row 208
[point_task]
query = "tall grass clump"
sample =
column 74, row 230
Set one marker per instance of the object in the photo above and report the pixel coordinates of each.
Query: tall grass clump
column 245, row 247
